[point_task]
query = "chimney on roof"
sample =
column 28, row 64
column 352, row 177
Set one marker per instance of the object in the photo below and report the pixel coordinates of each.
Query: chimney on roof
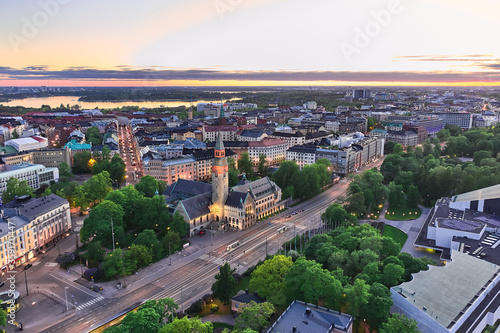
column 308, row 311
column 246, row 291
column 294, row 329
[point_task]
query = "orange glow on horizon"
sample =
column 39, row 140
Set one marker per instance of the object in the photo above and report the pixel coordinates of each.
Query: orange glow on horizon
column 236, row 83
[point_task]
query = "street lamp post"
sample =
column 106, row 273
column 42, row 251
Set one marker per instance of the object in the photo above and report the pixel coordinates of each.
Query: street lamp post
column 113, row 234
column 294, row 234
column 26, row 280
column 169, row 254
column 66, row 296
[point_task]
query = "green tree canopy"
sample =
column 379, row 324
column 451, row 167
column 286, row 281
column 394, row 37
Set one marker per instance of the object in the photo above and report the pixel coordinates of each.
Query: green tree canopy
column 268, row 279
column 148, row 186
column 245, row 164
column 225, row 285
column 398, row 323
column 254, row 316
column 186, row 325
column 16, row 188
column 81, row 162
column 99, row 222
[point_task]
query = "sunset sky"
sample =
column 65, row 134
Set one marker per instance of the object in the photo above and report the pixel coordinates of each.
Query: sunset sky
column 249, row 42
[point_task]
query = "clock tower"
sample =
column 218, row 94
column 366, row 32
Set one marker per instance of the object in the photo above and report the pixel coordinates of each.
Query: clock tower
column 220, row 181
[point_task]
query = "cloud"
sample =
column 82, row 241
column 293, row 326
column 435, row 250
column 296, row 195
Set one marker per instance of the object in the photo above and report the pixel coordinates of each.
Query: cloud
column 130, row 73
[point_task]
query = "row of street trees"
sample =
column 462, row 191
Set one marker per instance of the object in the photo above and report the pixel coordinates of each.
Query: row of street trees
column 305, row 183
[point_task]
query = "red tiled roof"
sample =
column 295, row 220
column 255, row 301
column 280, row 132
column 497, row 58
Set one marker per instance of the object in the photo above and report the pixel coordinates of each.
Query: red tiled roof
column 266, row 143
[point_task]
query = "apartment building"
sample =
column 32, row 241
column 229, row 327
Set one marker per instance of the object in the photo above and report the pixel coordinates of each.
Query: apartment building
column 227, row 132
column 462, row 119
column 36, row 223
column 34, row 174
column 302, row 155
column 274, row 149
column 291, row 139
column 171, row 170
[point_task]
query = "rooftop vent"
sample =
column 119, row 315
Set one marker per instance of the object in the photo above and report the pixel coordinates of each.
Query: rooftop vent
column 308, row 311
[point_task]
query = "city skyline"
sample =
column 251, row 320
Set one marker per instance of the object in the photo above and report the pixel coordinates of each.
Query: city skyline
column 249, row 43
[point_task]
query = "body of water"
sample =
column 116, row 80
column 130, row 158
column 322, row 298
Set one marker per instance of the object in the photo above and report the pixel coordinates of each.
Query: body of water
column 56, row 101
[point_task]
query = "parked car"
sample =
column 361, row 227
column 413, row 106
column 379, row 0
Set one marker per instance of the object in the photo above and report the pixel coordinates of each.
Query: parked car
column 2, row 284
column 28, row 266
column 201, row 232
column 96, row 288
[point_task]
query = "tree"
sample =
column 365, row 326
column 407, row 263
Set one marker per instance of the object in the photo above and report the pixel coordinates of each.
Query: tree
column 288, row 192
column 379, row 304
column 93, row 136
column 244, row 163
column 95, row 251
column 142, row 256
column 480, row 155
column 147, row 186
column 443, row 134
column 268, row 279
column 179, row 225
column 80, row 197
column 81, row 162
column 231, row 163
column 392, row 275
column 113, row 264
column 64, row 172
column 148, row 239
column 98, row 187
column 233, row 177
column 286, row 174
column 357, row 297
column 186, row 325
column 225, row 285
column 254, row 316
column 308, row 184
column 165, row 307
column 117, row 172
column 398, row 323
column 144, row 320
column 262, row 168
column 98, row 224
column 15, row 135
column 16, row 188
column 335, row 214
column 171, row 242
column 398, row 149
column 308, row 281
column 413, row 196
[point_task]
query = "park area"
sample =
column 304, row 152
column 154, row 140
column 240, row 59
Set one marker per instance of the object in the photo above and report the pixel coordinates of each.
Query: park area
column 397, row 235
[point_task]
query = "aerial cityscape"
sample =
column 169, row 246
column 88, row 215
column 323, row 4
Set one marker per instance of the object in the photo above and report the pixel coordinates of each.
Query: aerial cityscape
column 250, row 166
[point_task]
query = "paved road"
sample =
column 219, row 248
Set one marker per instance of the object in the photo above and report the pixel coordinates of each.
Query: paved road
column 192, row 273
column 129, row 152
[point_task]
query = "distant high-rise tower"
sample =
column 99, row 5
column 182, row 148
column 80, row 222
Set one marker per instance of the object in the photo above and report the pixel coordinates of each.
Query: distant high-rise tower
column 220, row 180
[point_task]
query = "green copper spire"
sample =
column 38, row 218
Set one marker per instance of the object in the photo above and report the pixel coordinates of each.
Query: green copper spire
column 221, row 107
column 219, row 145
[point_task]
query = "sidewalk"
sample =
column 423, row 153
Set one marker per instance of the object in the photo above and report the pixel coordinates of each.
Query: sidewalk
column 411, row 228
column 227, row 319
column 146, row 275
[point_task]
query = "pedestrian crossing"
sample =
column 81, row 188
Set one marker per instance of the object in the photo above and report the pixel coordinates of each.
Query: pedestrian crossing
column 89, row 303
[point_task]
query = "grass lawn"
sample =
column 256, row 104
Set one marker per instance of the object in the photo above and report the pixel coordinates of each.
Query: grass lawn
column 403, row 213
column 397, row 235
column 245, row 284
